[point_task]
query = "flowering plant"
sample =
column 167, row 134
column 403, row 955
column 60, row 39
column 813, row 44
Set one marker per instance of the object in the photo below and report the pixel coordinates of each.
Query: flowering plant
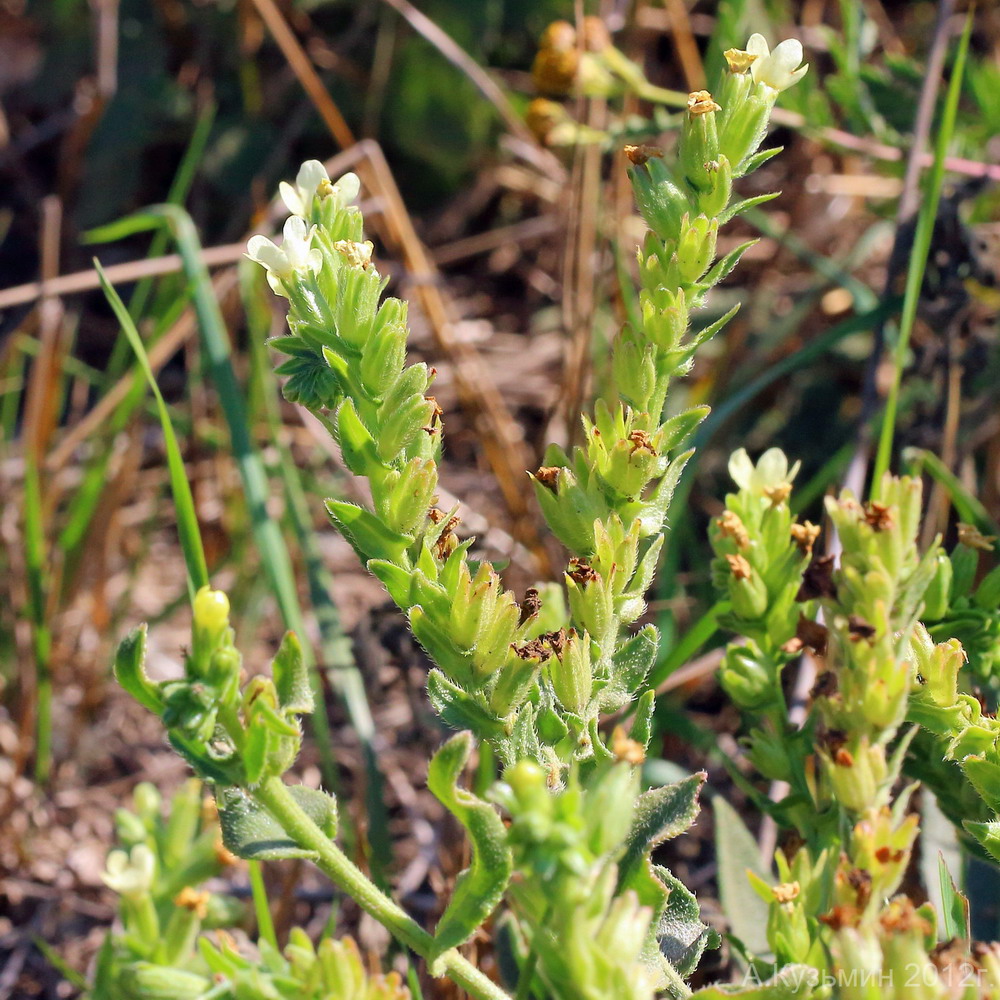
column 560, row 845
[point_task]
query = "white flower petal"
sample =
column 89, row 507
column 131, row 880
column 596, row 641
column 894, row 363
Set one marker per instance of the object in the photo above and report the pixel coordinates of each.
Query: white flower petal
column 772, row 467
column 295, row 228
column 741, row 468
column 348, row 187
column 290, row 196
column 787, row 55
column 312, row 173
column 757, row 46
column 263, row 251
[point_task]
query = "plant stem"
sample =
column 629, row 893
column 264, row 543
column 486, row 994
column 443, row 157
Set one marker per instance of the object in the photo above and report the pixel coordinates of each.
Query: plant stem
column 273, row 794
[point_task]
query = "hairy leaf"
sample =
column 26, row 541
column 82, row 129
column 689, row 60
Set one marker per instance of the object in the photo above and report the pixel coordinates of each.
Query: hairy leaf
column 480, row 887
column 249, row 831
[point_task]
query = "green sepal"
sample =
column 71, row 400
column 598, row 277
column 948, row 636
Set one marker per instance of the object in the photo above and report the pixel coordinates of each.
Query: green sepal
column 131, row 674
column 368, row 536
column 654, row 510
column 291, row 677
column 460, row 710
column 481, row 886
column 250, row 832
column 356, row 442
column 395, row 579
column 255, row 751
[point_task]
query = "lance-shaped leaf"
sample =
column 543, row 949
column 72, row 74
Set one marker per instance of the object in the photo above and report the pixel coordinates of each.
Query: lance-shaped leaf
column 988, row 835
column 480, row 887
column 291, row 677
column 252, row 833
column 792, row 981
column 660, row 814
column 131, row 674
column 461, row 710
column 682, row 935
column 368, row 536
column 631, row 662
column 395, row 579
column 985, row 778
column 356, row 443
column 738, row 853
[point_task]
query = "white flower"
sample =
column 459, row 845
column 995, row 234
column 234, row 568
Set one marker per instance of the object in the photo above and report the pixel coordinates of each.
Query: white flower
column 296, row 253
column 771, row 477
column 312, row 179
column 776, row 69
column 130, row 875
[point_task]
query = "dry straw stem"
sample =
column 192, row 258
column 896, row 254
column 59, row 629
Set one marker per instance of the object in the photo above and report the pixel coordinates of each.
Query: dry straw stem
column 478, row 394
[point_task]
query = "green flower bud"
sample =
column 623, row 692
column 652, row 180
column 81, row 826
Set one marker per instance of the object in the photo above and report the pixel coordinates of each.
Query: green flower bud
column 696, row 249
column 660, row 200
column 664, row 317
column 938, row 590
column 145, row 981
column 746, row 679
column 768, row 752
column 147, row 802
column 571, row 674
column 714, row 200
column 130, row 829
column 699, row 145
column 211, row 613
column 744, row 130
column 634, row 368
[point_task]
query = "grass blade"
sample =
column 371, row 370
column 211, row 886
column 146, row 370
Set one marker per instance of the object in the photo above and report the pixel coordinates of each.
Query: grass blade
column 918, row 259
column 187, row 519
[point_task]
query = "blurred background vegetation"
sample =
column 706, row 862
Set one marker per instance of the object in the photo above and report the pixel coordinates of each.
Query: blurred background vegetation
column 509, row 226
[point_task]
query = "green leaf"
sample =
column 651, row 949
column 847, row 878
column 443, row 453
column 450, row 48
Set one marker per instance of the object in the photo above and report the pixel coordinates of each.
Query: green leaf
column 660, row 814
column 356, row 443
column 737, row 853
column 369, row 537
column 480, row 887
column 131, row 674
column 739, row 207
column 642, row 723
column 291, row 677
column 460, row 710
column 954, row 905
column 987, row 834
column 682, row 935
column 792, row 981
column 395, row 579
column 249, row 831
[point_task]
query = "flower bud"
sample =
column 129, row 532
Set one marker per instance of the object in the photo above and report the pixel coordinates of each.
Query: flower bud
column 714, row 200
column 570, row 672
column 211, row 616
column 146, row 981
column 660, row 200
column 938, row 590
column 699, row 144
column 696, row 249
column 745, row 679
column 634, row 368
column 664, row 317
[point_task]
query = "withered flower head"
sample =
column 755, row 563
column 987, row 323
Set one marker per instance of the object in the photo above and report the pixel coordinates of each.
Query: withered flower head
column 739, row 60
column 730, row 526
column 971, row 537
column 626, row 749
column 804, row 535
column 700, row 103
column 642, row 154
column 739, row 567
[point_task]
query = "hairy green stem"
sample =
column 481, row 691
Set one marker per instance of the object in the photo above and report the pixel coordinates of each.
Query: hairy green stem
column 273, row 794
